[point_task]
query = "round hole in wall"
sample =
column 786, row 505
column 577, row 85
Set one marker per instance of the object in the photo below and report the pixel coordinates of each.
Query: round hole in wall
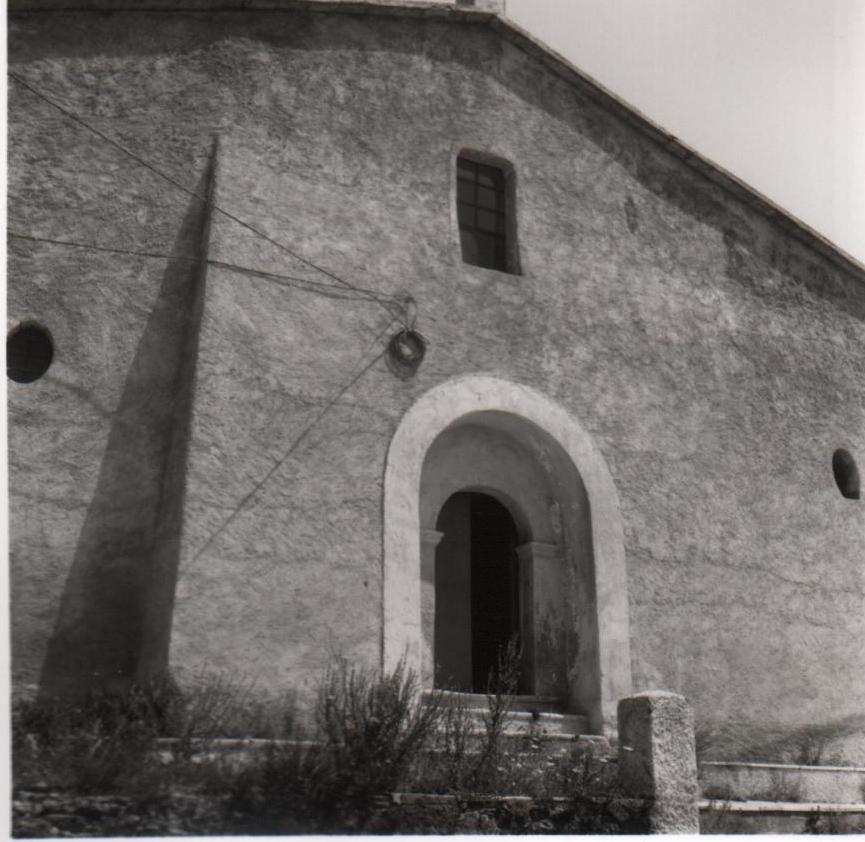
column 846, row 474
column 29, row 352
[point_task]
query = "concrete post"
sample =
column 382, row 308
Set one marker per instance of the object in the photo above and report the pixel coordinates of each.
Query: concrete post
column 657, row 759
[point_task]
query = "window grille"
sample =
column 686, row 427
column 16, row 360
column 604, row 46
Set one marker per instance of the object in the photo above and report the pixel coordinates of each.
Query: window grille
column 482, row 214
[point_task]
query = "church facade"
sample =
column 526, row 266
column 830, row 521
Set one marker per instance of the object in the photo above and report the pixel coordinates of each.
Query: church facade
column 376, row 330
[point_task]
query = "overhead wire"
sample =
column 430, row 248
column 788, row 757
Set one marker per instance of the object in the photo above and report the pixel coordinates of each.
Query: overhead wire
column 394, row 306
column 396, row 314
column 330, row 290
column 292, row 447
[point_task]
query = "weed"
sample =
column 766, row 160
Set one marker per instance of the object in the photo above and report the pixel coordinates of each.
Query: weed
column 501, row 686
column 448, row 764
column 106, row 741
column 720, row 820
column 370, row 728
column 719, row 792
column 780, row 789
column 99, row 742
column 818, row 822
column 215, row 706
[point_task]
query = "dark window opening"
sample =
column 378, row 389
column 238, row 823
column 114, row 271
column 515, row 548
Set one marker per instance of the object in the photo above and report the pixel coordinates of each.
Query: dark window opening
column 846, row 474
column 477, row 607
column 482, row 214
column 28, row 354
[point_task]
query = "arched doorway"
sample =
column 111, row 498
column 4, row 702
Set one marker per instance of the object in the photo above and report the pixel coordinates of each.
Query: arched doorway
column 502, row 523
column 489, row 436
column 477, row 592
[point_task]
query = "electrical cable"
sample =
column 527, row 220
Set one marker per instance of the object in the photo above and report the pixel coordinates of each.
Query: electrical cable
column 292, row 447
column 329, row 290
column 379, row 298
column 180, row 186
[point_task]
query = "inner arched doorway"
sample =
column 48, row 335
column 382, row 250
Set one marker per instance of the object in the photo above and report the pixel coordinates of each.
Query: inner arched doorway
column 477, row 592
column 496, row 549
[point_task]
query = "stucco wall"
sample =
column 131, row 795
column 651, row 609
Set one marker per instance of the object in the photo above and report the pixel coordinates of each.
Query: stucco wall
column 716, row 360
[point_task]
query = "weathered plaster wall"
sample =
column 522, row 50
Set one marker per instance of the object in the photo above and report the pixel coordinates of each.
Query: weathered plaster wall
column 95, row 497
column 716, row 360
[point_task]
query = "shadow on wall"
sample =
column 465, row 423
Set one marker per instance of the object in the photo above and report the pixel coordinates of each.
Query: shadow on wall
column 115, row 613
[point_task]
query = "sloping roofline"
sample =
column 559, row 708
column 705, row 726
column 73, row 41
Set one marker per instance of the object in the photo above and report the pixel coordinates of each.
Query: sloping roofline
column 555, row 62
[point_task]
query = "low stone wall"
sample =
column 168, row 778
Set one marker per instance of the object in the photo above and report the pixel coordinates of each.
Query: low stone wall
column 49, row 813
column 782, row 782
column 419, row 813
column 721, row 817
column 41, row 814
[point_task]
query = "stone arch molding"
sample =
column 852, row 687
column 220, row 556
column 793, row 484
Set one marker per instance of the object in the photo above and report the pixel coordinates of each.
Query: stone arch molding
column 434, row 412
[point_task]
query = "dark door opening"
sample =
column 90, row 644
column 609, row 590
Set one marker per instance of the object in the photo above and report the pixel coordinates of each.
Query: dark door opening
column 477, row 591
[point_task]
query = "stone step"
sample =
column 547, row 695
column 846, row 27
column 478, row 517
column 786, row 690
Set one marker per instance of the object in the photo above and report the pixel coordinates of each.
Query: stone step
column 552, row 724
column 479, row 701
column 721, row 816
column 540, row 716
column 777, row 782
column 240, row 752
column 546, row 745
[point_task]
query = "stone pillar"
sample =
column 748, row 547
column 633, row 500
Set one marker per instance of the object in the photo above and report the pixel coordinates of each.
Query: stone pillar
column 541, row 608
column 657, row 759
column 429, row 540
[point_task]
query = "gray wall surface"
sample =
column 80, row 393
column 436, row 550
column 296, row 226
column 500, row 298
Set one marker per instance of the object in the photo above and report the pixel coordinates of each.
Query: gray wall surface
column 715, row 359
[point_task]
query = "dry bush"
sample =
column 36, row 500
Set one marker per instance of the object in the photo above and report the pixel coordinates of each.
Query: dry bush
column 501, row 687
column 103, row 741
column 214, row 706
column 371, row 728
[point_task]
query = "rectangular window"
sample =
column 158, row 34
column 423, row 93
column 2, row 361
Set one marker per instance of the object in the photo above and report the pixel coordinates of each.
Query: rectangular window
column 482, row 214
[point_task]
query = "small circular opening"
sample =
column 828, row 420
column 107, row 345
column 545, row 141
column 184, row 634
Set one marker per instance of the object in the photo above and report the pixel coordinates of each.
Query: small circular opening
column 846, row 474
column 29, row 352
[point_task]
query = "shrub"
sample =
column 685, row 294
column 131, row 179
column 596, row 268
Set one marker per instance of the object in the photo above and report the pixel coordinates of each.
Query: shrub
column 215, row 706
column 461, row 759
column 449, row 763
column 370, row 730
column 105, row 741
column 371, row 727
column 501, row 687
column 102, row 741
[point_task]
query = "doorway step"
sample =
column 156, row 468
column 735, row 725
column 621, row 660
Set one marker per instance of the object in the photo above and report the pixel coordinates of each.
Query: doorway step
column 538, row 717
column 478, row 701
column 781, row 798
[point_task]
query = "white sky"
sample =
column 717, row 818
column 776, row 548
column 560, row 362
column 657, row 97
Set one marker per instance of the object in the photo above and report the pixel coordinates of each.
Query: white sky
column 772, row 90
